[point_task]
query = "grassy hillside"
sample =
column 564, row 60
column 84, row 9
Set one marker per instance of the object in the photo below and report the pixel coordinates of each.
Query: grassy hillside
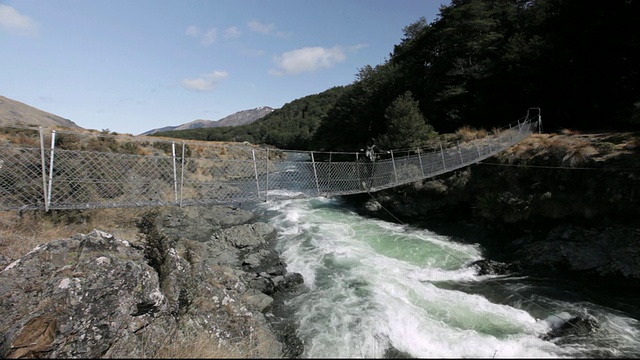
column 16, row 113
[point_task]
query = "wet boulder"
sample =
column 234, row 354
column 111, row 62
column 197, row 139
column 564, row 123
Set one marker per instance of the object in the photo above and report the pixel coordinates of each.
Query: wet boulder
column 564, row 325
column 491, row 267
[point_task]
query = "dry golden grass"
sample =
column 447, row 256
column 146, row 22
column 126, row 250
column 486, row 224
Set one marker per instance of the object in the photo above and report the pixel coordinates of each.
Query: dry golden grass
column 570, row 132
column 21, row 232
column 258, row 345
column 467, row 133
column 571, row 148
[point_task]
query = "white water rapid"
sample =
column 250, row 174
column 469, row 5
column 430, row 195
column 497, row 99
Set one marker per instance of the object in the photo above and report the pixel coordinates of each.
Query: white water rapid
column 379, row 289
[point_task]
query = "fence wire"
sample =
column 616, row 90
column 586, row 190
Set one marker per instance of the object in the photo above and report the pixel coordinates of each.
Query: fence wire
column 37, row 172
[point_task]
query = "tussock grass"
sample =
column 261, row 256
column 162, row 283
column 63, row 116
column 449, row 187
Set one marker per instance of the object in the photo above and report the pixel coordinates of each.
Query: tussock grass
column 467, row 133
column 203, row 346
column 20, row 232
column 569, row 151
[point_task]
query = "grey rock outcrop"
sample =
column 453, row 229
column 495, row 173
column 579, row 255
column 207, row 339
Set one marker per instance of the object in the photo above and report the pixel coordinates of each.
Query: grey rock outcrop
column 97, row 296
column 608, row 256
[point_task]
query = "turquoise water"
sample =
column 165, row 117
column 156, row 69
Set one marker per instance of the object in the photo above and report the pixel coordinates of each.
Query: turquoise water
column 377, row 289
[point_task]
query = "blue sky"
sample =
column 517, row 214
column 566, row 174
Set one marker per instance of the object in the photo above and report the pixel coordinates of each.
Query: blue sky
column 136, row 65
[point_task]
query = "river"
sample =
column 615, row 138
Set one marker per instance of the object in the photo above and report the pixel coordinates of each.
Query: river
column 380, row 289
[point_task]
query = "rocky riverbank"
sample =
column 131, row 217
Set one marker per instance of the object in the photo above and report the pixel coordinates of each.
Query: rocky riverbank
column 554, row 205
column 199, row 282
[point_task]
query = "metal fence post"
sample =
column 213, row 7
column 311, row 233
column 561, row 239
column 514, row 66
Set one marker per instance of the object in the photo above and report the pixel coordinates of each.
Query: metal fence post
column 393, row 162
column 358, row 171
column 53, row 144
column 44, row 172
column 539, row 124
column 175, row 175
column 420, row 159
column 444, row 163
column 460, row 153
column 330, row 172
column 266, row 190
column 315, row 174
column 255, row 170
column 182, row 175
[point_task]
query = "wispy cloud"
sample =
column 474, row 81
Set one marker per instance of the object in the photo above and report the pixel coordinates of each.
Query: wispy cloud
column 193, row 31
column 209, row 37
column 232, row 33
column 307, row 59
column 206, row 38
column 13, row 21
column 257, row 26
column 265, row 29
column 354, row 48
column 206, row 82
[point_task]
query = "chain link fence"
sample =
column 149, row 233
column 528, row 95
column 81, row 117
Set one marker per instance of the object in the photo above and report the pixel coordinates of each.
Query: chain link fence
column 45, row 169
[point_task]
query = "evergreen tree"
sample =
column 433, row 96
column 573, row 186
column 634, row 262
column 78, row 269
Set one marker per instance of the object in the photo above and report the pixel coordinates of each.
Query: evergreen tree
column 406, row 127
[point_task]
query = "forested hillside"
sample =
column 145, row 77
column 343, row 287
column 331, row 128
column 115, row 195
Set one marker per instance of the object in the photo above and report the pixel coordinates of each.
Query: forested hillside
column 481, row 63
column 290, row 127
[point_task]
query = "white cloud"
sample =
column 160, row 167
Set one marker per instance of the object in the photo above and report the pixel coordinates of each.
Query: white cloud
column 257, row 26
column 13, row 21
column 192, row 30
column 307, row 59
column 232, row 33
column 206, row 82
column 210, row 37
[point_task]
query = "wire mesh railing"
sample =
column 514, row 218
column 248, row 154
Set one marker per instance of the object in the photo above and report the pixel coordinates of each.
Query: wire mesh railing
column 42, row 170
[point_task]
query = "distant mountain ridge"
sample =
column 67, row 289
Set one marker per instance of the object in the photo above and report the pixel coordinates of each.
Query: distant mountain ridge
column 13, row 112
column 242, row 117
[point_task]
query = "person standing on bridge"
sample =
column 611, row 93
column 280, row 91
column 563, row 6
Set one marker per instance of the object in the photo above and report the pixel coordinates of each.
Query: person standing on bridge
column 371, row 157
column 371, row 150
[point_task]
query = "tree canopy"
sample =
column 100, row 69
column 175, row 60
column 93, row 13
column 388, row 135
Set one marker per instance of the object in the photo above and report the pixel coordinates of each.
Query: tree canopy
column 480, row 63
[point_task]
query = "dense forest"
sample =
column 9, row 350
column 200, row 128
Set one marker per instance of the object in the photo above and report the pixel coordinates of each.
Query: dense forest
column 480, row 63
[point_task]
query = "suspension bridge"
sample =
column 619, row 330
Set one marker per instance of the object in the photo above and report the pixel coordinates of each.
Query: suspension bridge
column 36, row 172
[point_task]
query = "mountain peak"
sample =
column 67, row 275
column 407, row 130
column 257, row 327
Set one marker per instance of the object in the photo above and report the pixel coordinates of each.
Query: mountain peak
column 241, row 117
